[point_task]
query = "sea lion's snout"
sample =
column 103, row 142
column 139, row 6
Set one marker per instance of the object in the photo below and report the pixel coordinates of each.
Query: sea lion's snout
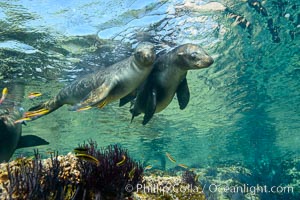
column 203, row 60
column 208, row 61
column 193, row 57
column 145, row 53
column 203, row 63
column 149, row 56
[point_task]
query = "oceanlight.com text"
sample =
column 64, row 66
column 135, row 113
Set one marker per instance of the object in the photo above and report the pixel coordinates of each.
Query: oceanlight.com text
column 245, row 188
column 213, row 188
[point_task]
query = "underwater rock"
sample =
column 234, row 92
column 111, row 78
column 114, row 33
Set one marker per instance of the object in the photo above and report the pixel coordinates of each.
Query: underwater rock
column 167, row 188
column 65, row 172
column 33, row 179
column 293, row 173
column 68, row 177
column 224, row 183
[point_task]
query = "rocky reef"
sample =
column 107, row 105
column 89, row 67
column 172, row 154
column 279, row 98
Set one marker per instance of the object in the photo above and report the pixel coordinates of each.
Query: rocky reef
column 117, row 176
column 167, row 188
column 71, row 176
column 34, row 178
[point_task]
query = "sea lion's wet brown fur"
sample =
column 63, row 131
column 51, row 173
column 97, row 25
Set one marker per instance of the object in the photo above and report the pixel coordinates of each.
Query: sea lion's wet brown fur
column 169, row 77
column 109, row 84
column 10, row 132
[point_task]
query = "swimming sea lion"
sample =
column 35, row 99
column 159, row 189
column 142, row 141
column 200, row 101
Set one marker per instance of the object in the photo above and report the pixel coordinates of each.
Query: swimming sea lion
column 167, row 78
column 10, row 132
column 104, row 86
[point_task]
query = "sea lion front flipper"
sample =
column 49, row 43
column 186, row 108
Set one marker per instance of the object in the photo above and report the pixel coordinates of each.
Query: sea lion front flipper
column 96, row 98
column 127, row 98
column 30, row 141
column 183, row 94
column 134, row 110
column 150, row 106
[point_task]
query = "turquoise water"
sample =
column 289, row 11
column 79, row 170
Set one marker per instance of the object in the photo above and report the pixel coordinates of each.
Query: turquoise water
column 244, row 109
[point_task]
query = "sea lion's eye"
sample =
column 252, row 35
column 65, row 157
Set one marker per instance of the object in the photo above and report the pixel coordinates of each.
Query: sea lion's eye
column 139, row 54
column 194, row 55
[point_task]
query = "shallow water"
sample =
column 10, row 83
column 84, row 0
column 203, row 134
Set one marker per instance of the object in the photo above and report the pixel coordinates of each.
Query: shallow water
column 244, row 109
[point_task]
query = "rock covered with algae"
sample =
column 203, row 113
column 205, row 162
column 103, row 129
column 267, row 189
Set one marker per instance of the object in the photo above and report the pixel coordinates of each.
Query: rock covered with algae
column 33, row 178
column 167, row 188
column 70, row 177
column 58, row 177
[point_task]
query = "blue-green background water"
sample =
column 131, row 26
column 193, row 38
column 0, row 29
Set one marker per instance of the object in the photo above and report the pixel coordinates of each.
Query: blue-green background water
column 244, row 109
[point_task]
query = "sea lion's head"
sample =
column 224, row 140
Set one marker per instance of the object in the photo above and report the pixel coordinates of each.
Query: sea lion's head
column 144, row 54
column 4, row 116
column 191, row 56
column 7, row 120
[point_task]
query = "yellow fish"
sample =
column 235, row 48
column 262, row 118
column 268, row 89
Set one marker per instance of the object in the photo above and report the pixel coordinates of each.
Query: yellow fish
column 170, row 157
column 122, row 162
column 36, row 113
column 50, row 152
column 183, row 166
column 30, row 158
column 34, row 95
column 4, row 94
column 88, row 158
column 148, row 167
column 80, row 150
column 197, row 177
column 102, row 104
column 131, row 173
column 84, row 108
column 22, row 120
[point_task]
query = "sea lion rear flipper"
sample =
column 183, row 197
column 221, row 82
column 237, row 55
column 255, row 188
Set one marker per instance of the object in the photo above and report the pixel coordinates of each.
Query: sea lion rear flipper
column 150, row 106
column 30, row 141
column 35, row 108
column 127, row 98
column 41, row 109
column 183, row 94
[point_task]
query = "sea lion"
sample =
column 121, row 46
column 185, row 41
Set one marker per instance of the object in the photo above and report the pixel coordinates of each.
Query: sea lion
column 106, row 85
column 10, row 132
column 167, row 78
